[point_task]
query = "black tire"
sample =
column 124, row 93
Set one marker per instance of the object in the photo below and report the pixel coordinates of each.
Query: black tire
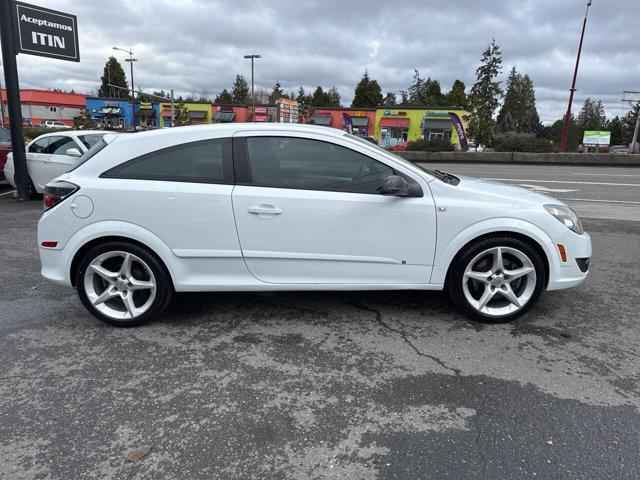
column 31, row 190
column 164, row 285
column 454, row 284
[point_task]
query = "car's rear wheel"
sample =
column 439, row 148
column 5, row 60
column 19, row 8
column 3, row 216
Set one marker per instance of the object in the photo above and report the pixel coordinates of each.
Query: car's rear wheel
column 31, row 190
column 497, row 279
column 123, row 284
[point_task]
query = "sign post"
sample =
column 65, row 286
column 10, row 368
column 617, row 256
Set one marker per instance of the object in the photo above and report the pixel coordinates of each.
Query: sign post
column 31, row 30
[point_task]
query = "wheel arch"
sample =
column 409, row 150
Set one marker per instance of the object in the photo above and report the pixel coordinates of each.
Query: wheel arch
column 106, row 231
column 77, row 258
column 519, row 229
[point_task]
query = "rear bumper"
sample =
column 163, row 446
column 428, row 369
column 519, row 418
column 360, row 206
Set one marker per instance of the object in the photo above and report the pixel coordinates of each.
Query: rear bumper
column 568, row 274
column 55, row 266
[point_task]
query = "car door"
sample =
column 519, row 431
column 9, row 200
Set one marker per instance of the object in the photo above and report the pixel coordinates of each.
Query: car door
column 38, row 161
column 182, row 194
column 308, row 211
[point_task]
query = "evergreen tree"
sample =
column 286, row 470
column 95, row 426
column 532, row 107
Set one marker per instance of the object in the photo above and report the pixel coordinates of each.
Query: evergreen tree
column 616, row 127
column 276, row 94
column 432, row 93
column 389, row 100
column 457, row 96
column 518, row 113
column 553, row 132
column 240, row 91
column 425, row 91
column 302, row 97
column 367, row 93
column 319, row 98
column 485, row 95
column 85, row 121
column 404, row 97
column 114, row 74
column 414, row 92
column 592, row 116
column 180, row 115
column 224, row 97
column 333, row 96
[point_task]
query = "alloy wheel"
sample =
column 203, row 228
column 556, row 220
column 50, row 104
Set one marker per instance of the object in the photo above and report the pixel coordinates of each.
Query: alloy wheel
column 120, row 285
column 499, row 281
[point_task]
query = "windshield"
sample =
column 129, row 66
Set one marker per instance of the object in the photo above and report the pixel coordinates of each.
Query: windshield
column 90, row 153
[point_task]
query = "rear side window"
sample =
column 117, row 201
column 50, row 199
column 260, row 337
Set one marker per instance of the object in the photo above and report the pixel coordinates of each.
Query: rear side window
column 300, row 163
column 60, row 145
column 90, row 140
column 39, row 146
column 207, row 161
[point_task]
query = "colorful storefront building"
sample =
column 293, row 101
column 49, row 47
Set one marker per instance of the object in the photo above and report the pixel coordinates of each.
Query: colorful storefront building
column 110, row 113
column 198, row 113
column 362, row 120
column 399, row 125
column 41, row 105
column 230, row 113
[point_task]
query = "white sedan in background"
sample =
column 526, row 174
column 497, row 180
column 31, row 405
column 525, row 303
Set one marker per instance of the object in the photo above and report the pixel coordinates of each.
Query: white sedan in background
column 50, row 155
column 248, row 207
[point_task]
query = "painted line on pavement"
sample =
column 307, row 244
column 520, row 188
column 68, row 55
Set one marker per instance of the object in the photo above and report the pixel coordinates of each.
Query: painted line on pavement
column 7, row 193
column 629, row 202
column 561, row 181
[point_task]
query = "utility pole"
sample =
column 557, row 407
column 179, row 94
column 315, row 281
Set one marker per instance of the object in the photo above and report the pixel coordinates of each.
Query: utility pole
column 21, row 176
column 173, row 109
column 633, row 99
column 133, row 91
column 253, row 96
column 567, row 118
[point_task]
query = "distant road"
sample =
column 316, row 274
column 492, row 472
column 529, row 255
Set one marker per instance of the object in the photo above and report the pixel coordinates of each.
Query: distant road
column 594, row 192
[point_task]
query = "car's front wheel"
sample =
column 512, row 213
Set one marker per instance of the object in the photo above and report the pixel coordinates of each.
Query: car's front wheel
column 123, row 284
column 496, row 279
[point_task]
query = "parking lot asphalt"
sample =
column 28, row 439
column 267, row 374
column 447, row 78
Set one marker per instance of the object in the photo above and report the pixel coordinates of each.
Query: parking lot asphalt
column 321, row 385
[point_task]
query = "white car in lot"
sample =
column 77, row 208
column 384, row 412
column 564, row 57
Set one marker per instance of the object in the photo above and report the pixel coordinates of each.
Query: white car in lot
column 49, row 156
column 247, row 207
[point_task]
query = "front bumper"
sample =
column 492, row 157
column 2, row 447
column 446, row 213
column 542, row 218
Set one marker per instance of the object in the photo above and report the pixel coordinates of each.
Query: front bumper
column 568, row 274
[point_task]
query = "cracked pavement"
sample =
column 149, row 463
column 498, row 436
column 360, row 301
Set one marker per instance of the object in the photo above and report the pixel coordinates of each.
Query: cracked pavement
column 355, row 385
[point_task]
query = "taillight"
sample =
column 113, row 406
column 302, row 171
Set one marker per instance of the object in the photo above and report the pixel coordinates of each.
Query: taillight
column 55, row 192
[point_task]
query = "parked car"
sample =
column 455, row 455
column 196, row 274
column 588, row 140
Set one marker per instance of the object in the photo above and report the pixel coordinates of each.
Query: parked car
column 473, row 147
column 245, row 207
column 49, row 156
column 619, row 149
column 5, row 148
column 53, row 124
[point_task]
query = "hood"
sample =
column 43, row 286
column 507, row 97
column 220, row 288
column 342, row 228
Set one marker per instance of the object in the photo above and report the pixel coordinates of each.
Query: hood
column 498, row 190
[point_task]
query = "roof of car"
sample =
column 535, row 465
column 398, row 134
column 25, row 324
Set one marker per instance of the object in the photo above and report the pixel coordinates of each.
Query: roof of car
column 223, row 129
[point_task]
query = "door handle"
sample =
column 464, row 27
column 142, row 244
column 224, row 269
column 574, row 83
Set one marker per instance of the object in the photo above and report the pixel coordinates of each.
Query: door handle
column 265, row 210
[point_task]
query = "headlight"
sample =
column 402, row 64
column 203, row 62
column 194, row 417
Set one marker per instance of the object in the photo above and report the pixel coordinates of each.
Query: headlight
column 566, row 216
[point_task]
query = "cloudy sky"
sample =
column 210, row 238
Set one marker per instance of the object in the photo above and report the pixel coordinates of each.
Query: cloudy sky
column 198, row 45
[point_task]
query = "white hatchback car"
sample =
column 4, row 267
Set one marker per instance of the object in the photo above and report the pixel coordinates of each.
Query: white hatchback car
column 248, row 207
column 50, row 155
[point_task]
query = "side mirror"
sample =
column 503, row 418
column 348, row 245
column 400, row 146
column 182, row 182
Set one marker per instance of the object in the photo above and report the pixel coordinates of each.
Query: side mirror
column 395, row 185
column 73, row 152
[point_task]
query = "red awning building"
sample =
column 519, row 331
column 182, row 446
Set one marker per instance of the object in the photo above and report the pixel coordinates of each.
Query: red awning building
column 39, row 105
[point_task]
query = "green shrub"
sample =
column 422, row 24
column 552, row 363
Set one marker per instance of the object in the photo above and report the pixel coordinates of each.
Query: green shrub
column 437, row 145
column 521, row 142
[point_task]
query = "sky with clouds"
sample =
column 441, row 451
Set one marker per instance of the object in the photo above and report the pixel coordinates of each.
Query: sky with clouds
column 198, row 45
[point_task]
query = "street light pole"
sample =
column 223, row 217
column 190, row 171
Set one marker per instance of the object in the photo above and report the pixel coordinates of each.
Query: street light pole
column 253, row 96
column 567, row 117
column 133, row 91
